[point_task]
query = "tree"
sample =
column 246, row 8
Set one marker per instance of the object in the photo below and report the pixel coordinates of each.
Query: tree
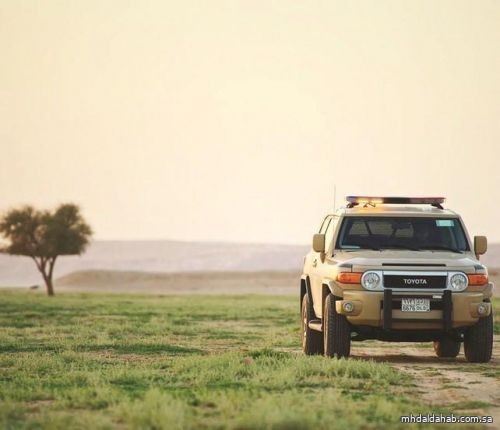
column 45, row 235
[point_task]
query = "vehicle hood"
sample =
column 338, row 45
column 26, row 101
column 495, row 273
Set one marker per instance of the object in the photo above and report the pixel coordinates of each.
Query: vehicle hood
column 407, row 260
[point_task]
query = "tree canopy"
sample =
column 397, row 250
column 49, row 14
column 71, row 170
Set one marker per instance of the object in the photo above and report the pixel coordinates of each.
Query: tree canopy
column 44, row 235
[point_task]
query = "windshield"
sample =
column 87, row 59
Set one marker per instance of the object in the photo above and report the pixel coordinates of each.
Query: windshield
column 417, row 233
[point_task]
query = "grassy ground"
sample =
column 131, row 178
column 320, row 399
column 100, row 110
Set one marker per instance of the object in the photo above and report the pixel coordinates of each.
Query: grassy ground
column 496, row 306
column 146, row 362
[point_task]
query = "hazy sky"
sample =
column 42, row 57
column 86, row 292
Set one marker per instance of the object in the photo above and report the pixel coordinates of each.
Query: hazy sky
column 232, row 120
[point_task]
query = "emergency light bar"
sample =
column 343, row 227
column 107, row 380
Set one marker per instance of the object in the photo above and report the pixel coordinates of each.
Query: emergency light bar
column 372, row 201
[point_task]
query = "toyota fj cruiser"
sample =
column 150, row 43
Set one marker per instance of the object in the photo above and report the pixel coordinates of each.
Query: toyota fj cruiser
column 396, row 269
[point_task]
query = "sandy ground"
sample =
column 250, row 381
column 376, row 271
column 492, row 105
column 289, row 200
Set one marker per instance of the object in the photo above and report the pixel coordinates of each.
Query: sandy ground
column 265, row 282
column 453, row 383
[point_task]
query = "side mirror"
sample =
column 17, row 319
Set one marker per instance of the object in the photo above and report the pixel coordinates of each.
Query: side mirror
column 480, row 245
column 319, row 243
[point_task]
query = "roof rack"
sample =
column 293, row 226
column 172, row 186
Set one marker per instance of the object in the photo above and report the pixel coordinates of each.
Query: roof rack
column 373, row 201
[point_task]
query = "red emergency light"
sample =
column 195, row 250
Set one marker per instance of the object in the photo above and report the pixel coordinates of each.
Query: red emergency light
column 375, row 200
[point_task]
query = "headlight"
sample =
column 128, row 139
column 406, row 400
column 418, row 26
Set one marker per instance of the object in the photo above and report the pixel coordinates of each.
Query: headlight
column 458, row 282
column 370, row 280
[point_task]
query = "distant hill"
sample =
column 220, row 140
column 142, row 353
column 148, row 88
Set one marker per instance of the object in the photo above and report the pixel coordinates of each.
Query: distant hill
column 492, row 257
column 174, row 257
column 161, row 257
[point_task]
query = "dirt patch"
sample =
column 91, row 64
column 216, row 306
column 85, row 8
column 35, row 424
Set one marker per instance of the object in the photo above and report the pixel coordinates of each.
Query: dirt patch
column 466, row 388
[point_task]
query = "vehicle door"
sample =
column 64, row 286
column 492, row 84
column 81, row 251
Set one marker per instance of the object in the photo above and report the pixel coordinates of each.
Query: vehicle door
column 315, row 274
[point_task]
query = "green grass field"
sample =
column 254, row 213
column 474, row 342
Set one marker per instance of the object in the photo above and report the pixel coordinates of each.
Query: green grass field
column 147, row 362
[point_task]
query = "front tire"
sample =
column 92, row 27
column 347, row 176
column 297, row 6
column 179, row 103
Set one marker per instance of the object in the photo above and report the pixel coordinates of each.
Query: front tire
column 446, row 347
column 336, row 331
column 312, row 340
column 478, row 340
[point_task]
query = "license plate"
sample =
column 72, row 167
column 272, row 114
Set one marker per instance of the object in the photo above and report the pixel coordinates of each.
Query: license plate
column 415, row 305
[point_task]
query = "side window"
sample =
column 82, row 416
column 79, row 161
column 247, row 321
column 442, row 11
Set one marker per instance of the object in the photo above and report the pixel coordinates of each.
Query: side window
column 325, row 225
column 330, row 231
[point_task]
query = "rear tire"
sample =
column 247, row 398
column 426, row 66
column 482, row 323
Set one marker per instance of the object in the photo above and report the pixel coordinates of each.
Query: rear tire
column 312, row 340
column 336, row 331
column 478, row 340
column 446, row 347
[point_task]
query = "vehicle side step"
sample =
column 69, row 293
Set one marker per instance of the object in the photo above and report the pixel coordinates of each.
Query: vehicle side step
column 316, row 325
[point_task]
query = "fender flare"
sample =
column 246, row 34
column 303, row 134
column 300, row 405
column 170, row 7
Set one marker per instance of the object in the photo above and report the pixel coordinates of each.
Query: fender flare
column 333, row 287
column 305, row 288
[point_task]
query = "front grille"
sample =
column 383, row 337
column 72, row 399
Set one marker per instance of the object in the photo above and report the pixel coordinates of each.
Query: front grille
column 415, row 281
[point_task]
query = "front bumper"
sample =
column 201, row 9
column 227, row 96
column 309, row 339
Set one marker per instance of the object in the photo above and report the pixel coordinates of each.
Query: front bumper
column 383, row 309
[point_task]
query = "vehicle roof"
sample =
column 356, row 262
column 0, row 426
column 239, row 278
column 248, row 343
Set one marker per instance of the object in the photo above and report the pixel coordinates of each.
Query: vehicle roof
column 397, row 210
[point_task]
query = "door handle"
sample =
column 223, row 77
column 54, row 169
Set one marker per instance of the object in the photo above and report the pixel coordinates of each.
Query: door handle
column 315, row 262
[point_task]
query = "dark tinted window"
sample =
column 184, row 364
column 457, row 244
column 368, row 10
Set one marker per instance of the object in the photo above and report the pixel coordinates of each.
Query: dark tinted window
column 401, row 233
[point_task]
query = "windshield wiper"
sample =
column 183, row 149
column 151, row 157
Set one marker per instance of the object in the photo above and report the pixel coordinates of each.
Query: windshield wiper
column 364, row 248
column 442, row 248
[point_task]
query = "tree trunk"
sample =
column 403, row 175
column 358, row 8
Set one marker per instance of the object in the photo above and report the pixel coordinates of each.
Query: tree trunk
column 48, row 283
column 50, row 286
column 46, row 272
